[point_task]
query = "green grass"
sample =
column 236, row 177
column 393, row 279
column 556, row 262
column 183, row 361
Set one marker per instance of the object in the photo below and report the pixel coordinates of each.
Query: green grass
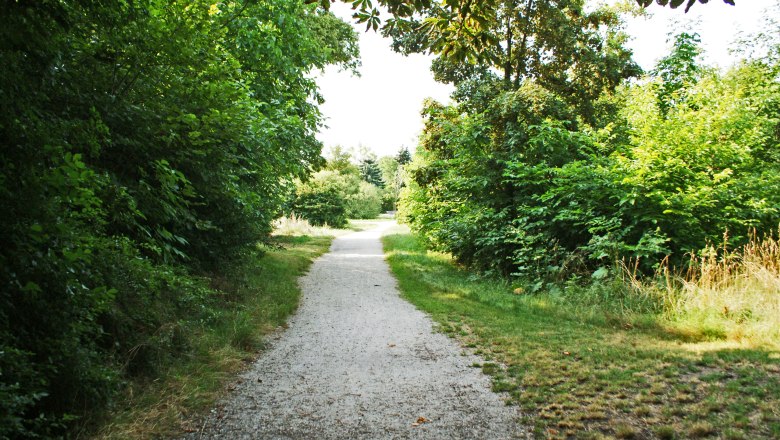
column 588, row 370
column 258, row 296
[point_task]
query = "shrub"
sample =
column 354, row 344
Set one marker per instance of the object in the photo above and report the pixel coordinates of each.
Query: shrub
column 321, row 206
column 389, row 199
column 366, row 203
column 360, row 199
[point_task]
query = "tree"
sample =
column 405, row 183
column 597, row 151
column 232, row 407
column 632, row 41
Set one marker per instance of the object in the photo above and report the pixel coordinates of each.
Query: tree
column 370, row 172
column 339, row 159
column 521, row 188
column 390, row 169
column 577, row 53
column 403, row 157
column 392, row 175
column 677, row 3
column 367, row 12
column 677, row 71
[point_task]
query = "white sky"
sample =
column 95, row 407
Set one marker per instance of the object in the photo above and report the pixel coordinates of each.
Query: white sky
column 381, row 109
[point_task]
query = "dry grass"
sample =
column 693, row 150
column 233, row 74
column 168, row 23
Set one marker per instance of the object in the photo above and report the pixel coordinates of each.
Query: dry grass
column 298, row 226
column 294, row 226
column 724, row 294
column 739, row 292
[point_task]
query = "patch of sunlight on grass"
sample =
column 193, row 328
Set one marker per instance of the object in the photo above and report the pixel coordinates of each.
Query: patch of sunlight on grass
column 713, row 346
column 398, row 229
column 364, row 224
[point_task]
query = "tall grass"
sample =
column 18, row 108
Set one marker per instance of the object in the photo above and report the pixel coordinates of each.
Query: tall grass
column 298, row 226
column 294, row 226
column 736, row 291
column 722, row 294
column 725, row 294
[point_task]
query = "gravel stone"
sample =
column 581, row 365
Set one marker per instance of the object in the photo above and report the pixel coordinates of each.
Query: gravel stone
column 359, row 362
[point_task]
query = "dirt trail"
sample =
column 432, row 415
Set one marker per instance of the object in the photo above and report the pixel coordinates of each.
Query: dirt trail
column 359, row 362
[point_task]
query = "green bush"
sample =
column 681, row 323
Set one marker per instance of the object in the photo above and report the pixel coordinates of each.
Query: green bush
column 361, row 200
column 321, row 206
column 389, row 199
column 366, row 203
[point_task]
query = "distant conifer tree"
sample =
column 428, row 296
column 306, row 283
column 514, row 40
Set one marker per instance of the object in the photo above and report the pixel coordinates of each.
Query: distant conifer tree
column 370, row 172
column 403, row 157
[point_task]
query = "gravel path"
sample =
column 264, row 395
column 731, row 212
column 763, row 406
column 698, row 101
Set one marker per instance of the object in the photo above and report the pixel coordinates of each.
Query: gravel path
column 359, row 362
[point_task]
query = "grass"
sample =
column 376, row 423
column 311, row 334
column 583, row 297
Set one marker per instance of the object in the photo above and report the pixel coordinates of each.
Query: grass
column 259, row 296
column 734, row 293
column 297, row 226
column 607, row 365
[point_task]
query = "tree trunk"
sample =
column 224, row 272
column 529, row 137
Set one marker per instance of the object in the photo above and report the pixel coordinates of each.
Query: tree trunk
column 508, row 63
column 521, row 70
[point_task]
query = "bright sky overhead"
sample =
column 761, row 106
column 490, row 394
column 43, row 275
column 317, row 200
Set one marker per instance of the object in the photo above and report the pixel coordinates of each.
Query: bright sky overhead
column 381, row 109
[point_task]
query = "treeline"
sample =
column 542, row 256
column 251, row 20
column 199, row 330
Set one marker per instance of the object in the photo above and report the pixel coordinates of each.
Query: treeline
column 144, row 144
column 560, row 168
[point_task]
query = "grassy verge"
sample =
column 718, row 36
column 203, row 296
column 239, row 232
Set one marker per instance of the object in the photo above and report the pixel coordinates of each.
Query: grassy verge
column 591, row 372
column 257, row 297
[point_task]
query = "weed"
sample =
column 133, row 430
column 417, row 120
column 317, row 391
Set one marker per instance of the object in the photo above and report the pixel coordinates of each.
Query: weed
column 701, row 429
column 626, row 431
column 666, row 432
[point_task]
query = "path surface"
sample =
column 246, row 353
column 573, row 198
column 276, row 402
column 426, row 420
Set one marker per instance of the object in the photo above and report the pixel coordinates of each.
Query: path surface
column 359, row 362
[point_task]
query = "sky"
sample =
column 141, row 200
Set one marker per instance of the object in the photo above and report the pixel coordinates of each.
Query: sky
column 380, row 110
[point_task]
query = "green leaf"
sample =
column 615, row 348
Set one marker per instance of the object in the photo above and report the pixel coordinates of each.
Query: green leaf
column 600, row 273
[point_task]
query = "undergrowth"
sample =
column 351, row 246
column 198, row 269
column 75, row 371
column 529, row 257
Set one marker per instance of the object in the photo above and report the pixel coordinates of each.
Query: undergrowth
column 736, row 293
column 247, row 301
column 723, row 294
